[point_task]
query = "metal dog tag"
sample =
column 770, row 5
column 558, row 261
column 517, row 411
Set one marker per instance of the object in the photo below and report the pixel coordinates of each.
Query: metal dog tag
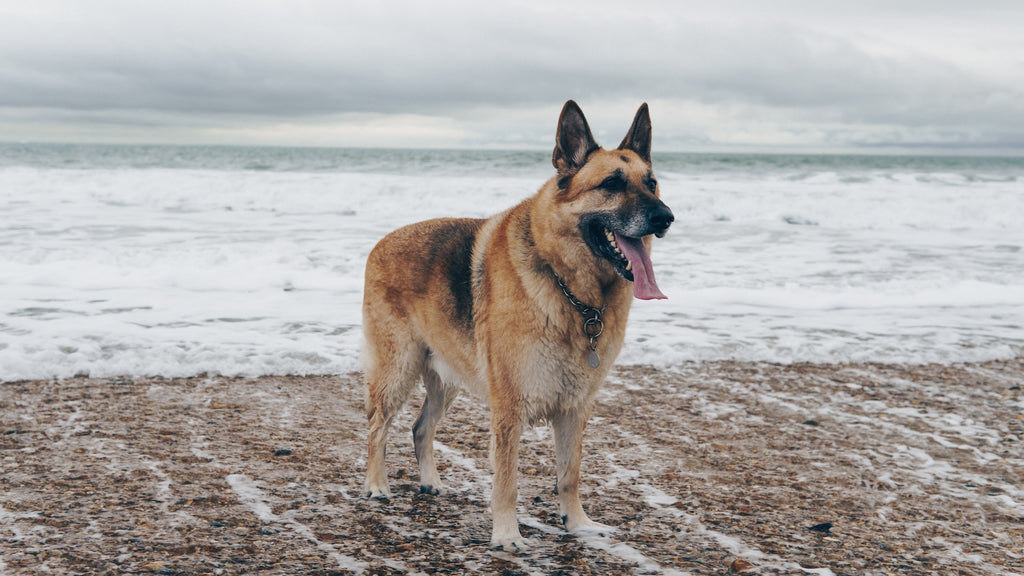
column 593, row 359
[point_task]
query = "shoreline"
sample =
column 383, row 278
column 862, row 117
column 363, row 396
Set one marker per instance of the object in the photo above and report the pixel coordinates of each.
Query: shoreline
column 703, row 466
column 642, row 366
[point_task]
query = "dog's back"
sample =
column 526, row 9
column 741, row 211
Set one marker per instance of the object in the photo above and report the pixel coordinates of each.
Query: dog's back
column 418, row 296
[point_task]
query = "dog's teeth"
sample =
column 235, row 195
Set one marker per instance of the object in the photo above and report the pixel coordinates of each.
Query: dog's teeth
column 629, row 265
column 611, row 239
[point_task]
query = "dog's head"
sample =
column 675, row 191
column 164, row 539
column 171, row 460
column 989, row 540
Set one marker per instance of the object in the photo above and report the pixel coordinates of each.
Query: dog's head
column 612, row 195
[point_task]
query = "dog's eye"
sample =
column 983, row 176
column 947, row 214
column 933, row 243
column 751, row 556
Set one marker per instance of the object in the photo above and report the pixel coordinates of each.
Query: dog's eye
column 652, row 185
column 614, row 183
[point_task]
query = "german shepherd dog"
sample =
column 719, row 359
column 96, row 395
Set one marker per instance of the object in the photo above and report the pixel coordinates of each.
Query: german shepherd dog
column 526, row 308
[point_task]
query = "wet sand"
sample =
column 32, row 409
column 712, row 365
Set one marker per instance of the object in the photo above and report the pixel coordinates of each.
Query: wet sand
column 706, row 468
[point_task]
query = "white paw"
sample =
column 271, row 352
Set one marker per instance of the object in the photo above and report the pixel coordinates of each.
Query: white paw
column 377, row 492
column 587, row 527
column 510, row 544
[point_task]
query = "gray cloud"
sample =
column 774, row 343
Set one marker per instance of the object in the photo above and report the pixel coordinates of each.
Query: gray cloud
column 224, row 65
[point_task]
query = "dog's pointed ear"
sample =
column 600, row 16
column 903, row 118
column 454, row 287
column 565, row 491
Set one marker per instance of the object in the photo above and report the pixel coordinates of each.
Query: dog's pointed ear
column 573, row 141
column 638, row 139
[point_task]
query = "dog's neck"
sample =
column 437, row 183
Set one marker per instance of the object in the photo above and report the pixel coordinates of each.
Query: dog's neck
column 586, row 310
column 593, row 326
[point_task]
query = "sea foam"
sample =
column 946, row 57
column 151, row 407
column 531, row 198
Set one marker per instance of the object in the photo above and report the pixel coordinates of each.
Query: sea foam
column 111, row 268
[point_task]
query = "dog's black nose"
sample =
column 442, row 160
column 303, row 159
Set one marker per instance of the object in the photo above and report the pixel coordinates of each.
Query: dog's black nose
column 660, row 218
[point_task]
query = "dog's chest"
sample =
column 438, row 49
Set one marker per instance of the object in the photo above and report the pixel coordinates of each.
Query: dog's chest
column 552, row 383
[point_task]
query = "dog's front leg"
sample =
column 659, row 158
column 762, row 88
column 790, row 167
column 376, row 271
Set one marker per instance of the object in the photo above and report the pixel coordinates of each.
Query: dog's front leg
column 506, row 429
column 568, row 427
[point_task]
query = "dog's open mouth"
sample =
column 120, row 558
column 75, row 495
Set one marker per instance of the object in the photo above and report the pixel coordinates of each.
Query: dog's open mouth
column 630, row 258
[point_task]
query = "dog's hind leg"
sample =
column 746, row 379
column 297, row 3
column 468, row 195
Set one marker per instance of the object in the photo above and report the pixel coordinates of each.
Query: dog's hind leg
column 568, row 427
column 389, row 380
column 440, row 396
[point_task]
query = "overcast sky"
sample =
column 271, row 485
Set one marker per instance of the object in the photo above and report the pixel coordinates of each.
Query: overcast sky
column 778, row 75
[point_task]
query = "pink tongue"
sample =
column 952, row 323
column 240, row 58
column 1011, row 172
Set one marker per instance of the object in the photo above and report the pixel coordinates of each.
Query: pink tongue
column 644, row 285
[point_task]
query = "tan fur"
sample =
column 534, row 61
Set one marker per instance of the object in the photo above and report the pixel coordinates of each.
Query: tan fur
column 466, row 303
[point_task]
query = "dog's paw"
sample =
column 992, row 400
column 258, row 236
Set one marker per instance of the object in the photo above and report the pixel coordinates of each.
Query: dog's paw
column 587, row 527
column 377, row 493
column 510, row 544
column 433, row 490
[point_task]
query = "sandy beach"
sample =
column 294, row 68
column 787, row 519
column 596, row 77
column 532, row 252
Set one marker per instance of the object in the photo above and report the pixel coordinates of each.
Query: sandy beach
column 706, row 468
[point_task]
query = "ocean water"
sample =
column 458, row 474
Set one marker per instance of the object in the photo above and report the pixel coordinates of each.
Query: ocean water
column 177, row 261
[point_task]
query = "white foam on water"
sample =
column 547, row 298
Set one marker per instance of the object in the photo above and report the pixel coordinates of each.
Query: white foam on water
column 176, row 272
